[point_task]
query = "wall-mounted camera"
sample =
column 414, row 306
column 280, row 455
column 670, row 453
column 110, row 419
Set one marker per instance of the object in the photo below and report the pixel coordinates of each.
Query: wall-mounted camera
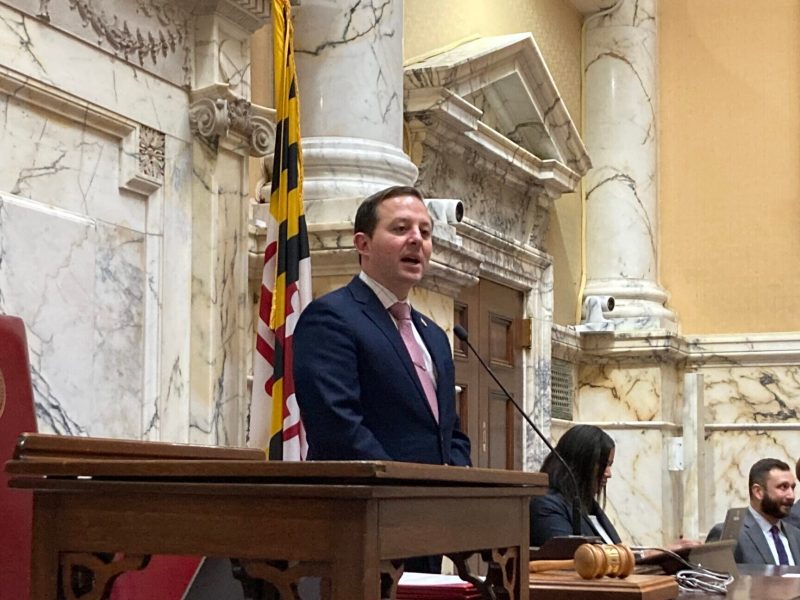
column 446, row 211
column 594, row 321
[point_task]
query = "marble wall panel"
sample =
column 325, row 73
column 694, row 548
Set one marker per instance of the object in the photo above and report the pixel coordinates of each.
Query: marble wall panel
column 757, row 394
column 48, row 158
column 78, row 285
column 611, row 392
column 637, row 497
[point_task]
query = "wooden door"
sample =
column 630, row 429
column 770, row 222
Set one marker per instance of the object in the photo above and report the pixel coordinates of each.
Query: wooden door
column 490, row 313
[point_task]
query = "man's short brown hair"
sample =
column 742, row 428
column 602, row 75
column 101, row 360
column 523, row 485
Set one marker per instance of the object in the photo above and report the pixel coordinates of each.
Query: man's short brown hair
column 367, row 213
column 760, row 471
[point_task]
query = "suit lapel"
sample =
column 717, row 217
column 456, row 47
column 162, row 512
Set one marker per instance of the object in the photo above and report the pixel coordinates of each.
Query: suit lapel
column 753, row 531
column 375, row 312
column 791, row 535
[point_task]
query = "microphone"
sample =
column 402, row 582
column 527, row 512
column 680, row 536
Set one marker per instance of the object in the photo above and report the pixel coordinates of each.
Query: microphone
column 461, row 334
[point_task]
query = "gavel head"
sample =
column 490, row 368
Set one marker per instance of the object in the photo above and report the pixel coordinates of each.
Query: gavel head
column 596, row 560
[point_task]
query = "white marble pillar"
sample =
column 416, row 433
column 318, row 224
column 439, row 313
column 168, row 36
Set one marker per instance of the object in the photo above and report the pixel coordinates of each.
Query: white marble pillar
column 350, row 66
column 621, row 62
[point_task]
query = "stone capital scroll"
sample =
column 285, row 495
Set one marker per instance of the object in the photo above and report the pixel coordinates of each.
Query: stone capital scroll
column 217, row 116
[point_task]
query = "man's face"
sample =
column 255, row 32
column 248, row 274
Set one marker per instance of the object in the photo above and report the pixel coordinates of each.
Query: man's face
column 399, row 250
column 777, row 497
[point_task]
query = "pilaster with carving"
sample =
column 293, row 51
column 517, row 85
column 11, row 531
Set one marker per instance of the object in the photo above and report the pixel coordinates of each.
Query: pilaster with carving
column 227, row 129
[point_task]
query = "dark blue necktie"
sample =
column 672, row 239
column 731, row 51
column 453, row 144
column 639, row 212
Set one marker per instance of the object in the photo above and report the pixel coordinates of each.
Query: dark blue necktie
column 782, row 558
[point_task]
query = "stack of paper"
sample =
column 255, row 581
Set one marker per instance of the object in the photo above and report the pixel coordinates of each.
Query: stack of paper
column 421, row 586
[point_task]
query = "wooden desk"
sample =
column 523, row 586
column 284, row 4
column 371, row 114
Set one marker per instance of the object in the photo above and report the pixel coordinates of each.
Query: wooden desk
column 347, row 522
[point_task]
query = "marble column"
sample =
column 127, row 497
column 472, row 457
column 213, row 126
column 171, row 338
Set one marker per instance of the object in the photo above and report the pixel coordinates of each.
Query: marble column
column 350, row 66
column 621, row 62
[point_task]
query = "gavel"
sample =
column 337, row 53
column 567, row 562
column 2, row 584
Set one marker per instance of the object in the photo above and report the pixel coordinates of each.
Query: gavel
column 593, row 561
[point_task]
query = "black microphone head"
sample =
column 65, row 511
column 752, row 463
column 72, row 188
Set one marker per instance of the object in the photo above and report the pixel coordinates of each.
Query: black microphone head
column 460, row 332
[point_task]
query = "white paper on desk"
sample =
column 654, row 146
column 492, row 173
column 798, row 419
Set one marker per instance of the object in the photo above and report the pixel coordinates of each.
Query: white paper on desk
column 431, row 579
column 795, row 575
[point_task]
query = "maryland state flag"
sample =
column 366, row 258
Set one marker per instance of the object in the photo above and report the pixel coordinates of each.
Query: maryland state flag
column 286, row 281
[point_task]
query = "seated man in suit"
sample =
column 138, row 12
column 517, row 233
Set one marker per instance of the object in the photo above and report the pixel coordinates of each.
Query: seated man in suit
column 765, row 537
column 374, row 378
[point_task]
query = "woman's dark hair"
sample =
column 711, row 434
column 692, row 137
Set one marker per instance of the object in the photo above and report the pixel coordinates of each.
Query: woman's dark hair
column 586, row 450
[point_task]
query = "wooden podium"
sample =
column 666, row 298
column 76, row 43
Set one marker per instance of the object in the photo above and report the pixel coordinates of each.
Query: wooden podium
column 102, row 507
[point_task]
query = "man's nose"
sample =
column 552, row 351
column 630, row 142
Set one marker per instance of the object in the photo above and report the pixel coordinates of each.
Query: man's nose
column 414, row 234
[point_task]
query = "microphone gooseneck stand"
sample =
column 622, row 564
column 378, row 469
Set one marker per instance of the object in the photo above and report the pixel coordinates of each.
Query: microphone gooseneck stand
column 462, row 335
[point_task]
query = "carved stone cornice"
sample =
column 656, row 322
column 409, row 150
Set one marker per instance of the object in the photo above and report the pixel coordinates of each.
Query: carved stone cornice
column 217, row 114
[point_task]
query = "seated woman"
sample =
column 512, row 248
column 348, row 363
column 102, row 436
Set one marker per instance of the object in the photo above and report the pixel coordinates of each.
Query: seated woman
column 589, row 451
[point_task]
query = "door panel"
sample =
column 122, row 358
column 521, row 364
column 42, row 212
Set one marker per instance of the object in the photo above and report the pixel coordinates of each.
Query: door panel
column 489, row 311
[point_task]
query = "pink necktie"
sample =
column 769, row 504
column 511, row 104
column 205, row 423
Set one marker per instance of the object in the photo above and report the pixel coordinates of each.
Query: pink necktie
column 402, row 313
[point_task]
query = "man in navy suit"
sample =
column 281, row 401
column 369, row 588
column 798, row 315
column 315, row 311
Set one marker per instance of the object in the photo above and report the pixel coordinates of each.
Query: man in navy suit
column 361, row 395
column 766, row 538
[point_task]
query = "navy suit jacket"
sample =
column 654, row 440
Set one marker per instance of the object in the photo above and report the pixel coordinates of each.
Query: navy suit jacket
column 752, row 547
column 551, row 516
column 359, row 394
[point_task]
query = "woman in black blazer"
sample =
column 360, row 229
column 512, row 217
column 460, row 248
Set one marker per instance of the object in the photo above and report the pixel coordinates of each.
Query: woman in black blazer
column 589, row 451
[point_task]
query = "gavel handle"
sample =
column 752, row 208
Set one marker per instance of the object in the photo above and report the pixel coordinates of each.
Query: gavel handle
column 536, row 566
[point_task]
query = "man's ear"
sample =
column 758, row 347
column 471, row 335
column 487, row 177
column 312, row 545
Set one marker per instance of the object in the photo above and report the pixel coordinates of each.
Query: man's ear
column 757, row 491
column 361, row 242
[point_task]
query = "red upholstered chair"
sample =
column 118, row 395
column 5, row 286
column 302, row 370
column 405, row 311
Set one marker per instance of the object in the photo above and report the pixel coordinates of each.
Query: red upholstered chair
column 16, row 415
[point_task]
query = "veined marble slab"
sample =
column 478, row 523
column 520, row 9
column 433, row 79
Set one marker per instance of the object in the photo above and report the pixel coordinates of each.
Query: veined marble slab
column 79, row 284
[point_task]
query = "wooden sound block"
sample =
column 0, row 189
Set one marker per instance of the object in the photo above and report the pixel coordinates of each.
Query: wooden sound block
column 568, row 585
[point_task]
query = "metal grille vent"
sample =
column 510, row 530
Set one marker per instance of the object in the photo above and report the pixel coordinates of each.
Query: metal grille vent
column 561, row 390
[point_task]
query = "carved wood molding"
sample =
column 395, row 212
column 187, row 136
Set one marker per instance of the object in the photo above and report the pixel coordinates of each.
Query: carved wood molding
column 507, row 561
column 284, row 576
column 391, row 572
column 462, row 568
column 86, row 576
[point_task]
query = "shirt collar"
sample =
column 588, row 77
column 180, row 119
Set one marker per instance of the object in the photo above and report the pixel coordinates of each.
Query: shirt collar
column 385, row 295
column 763, row 524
